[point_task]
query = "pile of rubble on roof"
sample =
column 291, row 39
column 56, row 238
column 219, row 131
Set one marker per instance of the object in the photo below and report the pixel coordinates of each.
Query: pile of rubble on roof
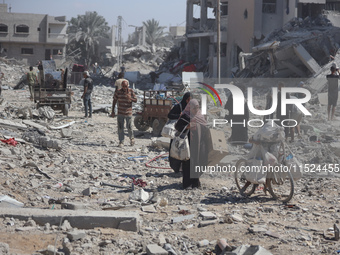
column 299, row 49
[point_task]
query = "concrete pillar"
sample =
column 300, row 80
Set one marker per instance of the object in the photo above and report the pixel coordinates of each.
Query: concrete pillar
column 204, row 14
column 190, row 14
column 258, row 19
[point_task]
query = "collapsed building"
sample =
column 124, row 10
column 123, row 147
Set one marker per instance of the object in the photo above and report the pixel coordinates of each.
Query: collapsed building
column 243, row 25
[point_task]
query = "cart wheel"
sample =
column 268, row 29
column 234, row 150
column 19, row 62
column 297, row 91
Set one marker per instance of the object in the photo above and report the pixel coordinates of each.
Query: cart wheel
column 65, row 109
column 157, row 126
column 140, row 124
column 246, row 188
column 281, row 185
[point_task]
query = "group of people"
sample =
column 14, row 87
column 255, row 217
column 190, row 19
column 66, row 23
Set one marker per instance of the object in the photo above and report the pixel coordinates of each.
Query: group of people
column 123, row 97
column 190, row 119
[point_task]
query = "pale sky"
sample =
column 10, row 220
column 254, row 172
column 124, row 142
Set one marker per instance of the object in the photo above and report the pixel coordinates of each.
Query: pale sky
column 134, row 12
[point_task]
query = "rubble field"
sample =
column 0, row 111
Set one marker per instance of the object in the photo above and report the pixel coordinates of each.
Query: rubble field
column 72, row 165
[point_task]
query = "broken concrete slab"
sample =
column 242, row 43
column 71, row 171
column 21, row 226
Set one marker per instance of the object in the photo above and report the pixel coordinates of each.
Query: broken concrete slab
column 102, row 108
column 139, row 195
column 205, row 223
column 81, row 219
column 76, row 235
column 8, row 202
column 4, row 248
column 12, row 124
column 307, row 59
column 161, row 142
column 66, row 132
column 35, row 125
column 154, row 249
column 73, row 206
column 149, row 209
column 62, row 126
column 182, row 218
column 335, row 148
column 249, row 250
column 208, row 215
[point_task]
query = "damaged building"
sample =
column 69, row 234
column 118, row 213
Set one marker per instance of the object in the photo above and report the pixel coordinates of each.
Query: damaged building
column 243, row 25
column 32, row 37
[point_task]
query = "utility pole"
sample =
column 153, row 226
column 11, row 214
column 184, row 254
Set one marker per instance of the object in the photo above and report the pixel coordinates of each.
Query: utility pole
column 120, row 42
column 218, row 21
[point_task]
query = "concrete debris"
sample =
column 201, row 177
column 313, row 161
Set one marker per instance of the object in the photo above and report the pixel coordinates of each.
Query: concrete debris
column 62, row 126
column 249, row 250
column 154, row 249
column 74, row 170
column 4, row 248
column 46, row 112
column 8, row 202
column 139, row 195
column 76, row 235
column 297, row 50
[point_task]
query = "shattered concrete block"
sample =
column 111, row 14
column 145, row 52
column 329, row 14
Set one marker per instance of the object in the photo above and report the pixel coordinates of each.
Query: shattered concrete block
column 161, row 239
column 335, row 148
column 208, row 215
column 76, row 235
column 161, row 142
column 154, row 249
column 203, row 243
column 139, row 195
column 67, row 246
column 66, row 226
column 89, row 191
column 249, row 250
column 237, row 217
column 128, row 225
column 66, row 132
column 73, row 206
column 182, row 218
column 5, row 152
column 149, row 208
column 205, row 223
column 4, row 248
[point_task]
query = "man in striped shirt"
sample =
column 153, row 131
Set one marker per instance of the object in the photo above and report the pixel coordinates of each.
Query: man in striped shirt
column 124, row 96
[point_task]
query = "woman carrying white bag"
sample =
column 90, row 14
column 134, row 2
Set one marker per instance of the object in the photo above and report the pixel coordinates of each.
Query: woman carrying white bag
column 175, row 114
column 193, row 123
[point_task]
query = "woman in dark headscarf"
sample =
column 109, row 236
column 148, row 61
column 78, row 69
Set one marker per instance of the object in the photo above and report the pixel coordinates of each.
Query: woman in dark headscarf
column 176, row 111
column 193, row 120
column 174, row 114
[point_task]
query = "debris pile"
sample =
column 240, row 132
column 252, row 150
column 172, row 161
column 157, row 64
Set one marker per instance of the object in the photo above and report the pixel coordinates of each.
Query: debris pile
column 299, row 49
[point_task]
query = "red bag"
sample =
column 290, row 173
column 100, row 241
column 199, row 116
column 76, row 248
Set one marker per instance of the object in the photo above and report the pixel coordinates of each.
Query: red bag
column 10, row 141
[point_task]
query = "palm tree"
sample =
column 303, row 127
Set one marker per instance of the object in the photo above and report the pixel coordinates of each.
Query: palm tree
column 154, row 32
column 85, row 32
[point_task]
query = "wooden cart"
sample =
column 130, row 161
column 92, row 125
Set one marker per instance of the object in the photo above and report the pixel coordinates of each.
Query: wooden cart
column 156, row 106
column 52, row 89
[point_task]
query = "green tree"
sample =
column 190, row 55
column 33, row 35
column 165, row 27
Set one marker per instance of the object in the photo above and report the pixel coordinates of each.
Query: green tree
column 85, row 31
column 154, row 32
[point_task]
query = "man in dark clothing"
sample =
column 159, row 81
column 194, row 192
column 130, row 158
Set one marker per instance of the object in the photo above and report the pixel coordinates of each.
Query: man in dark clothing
column 333, row 83
column 153, row 76
column 174, row 114
column 88, row 88
column 32, row 80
